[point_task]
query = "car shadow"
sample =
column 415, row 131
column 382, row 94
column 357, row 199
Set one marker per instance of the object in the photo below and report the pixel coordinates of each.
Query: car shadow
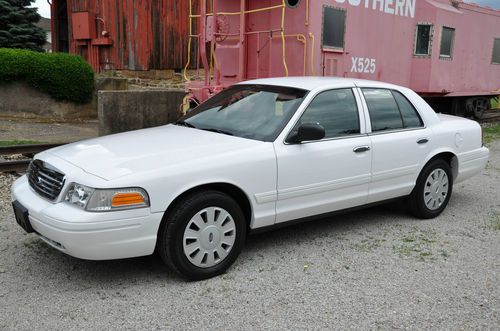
column 151, row 269
column 345, row 222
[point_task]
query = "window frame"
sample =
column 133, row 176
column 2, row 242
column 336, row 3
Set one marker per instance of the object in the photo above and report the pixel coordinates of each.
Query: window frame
column 328, row 48
column 359, row 106
column 431, row 39
column 493, row 51
column 445, row 56
column 369, row 129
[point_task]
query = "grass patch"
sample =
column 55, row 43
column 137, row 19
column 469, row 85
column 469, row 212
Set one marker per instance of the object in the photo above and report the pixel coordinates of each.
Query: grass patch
column 417, row 245
column 18, row 142
column 491, row 133
column 494, row 103
column 368, row 244
column 495, row 222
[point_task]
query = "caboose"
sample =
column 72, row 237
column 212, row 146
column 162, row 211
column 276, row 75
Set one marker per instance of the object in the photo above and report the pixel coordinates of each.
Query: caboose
column 446, row 50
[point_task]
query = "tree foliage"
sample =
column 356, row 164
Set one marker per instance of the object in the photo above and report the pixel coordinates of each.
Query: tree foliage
column 17, row 25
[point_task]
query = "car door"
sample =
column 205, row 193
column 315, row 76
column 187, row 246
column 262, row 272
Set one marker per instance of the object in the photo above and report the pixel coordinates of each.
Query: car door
column 333, row 173
column 400, row 143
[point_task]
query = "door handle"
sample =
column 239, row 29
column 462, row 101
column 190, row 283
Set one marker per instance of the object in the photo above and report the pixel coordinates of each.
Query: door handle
column 361, row 149
column 422, row 141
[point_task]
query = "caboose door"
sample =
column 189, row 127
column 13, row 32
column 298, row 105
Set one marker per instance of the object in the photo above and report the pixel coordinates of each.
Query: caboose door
column 332, row 64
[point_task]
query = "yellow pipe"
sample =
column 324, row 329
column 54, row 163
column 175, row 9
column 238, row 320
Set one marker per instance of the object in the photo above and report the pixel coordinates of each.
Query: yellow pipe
column 249, row 11
column 307, row 12
column 282, row 6
column 301, row 38
column 311, row 36
column 283, row 37
column 189, row 41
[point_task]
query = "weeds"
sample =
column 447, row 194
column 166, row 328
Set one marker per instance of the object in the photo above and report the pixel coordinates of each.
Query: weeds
column 495, row 222
column 418, row 245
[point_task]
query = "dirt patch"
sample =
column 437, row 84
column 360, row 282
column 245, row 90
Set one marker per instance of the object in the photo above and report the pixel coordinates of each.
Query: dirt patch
column 47, row 132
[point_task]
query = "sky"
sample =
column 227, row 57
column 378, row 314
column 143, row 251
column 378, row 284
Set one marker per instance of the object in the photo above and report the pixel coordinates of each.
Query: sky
column 44, row 8
column 491, row 3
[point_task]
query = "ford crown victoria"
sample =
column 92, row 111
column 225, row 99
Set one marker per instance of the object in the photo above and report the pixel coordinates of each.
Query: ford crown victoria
column 255, row 156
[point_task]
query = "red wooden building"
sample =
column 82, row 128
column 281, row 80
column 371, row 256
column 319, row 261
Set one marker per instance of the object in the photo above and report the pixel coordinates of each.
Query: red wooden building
column 125, row 34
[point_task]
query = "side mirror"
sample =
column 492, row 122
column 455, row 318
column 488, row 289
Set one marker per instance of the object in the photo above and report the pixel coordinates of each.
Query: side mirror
column 306, row 132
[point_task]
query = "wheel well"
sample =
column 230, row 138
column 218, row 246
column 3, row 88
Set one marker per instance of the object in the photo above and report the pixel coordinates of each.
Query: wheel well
column 232, row 190
column 451, row 159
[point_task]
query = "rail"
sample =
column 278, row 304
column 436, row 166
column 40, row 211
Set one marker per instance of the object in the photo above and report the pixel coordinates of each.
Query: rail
column 25, row 150
column 242, row 33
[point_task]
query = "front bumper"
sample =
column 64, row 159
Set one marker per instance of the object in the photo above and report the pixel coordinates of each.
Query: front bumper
column 89, row 235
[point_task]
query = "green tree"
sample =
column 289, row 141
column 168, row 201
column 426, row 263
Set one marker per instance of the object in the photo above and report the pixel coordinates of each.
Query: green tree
column 17, row 25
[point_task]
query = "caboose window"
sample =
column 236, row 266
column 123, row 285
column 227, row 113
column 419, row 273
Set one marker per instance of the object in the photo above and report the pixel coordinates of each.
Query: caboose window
column 496, row 51
column 333, row 27
column 423, row 39
column 292, row 3
column 447, row 36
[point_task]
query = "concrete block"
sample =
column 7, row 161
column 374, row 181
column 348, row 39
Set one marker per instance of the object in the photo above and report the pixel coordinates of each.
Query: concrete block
column 111, row 83
column 19, row 100
column 120, row 111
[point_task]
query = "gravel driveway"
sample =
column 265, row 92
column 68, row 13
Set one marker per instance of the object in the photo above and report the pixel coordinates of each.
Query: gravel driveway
column 377, row 269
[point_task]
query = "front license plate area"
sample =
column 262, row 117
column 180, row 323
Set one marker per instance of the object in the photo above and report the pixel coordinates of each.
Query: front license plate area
column 22, row 217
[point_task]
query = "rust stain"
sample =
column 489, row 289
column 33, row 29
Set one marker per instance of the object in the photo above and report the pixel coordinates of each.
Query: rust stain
column 148, row 34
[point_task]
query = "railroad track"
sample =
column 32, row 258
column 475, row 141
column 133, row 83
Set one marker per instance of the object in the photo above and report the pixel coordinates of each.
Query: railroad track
column 27, row 151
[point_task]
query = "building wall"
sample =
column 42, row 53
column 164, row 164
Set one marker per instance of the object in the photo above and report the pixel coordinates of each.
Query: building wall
column 149, row 34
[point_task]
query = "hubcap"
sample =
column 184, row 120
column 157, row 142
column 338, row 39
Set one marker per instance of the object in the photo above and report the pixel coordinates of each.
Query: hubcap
column 436, row 189
column 209, row 237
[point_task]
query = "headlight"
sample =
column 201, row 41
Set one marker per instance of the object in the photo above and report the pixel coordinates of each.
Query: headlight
column 106, row 199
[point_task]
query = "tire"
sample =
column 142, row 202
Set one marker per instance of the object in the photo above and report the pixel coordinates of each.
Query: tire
column 430, row 195
column 197, row 239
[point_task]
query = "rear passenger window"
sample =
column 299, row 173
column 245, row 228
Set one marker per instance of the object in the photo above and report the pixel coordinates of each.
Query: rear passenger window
column 336, row 111
column 411, row 119
column 390, row 110
column 383, row 109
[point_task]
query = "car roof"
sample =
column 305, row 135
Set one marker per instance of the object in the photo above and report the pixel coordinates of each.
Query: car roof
column 312, row 83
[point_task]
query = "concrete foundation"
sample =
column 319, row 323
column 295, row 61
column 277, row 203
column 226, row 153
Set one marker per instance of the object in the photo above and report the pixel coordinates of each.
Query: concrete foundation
column 120, row 111
column 19, row 100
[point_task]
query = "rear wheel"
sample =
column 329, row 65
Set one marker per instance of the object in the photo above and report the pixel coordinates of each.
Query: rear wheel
column 203, row 235
column 433, row 190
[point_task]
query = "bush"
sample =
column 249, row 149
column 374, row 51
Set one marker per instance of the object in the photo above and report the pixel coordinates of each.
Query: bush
column 62, row 76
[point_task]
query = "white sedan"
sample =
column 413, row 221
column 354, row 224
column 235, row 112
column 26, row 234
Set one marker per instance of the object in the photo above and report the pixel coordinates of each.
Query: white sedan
column 253, row 157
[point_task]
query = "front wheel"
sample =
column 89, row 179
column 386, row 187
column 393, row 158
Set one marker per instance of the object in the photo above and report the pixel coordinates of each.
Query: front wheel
column 203, row 235
column 432, row 191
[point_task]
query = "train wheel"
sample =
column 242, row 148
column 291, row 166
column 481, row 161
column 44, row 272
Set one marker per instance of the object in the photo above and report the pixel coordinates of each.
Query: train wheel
column 477, row 106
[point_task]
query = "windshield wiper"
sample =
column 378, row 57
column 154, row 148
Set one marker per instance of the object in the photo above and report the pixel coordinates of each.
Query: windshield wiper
column 217, row 131
column 184, row 123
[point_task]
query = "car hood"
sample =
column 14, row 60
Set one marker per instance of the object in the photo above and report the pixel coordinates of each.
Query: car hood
column 122, row 154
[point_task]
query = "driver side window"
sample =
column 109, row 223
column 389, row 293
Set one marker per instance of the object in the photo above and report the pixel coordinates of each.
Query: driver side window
column 336, row 111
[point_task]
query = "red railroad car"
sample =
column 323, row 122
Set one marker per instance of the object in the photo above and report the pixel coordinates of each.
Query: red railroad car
column 446, row 50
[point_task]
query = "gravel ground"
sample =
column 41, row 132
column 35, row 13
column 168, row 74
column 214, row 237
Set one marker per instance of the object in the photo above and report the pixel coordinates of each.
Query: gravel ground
column 49, row 132
column 373, row 269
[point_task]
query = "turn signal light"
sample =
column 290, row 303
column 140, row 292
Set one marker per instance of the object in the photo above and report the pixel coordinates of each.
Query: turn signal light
column 127, row 199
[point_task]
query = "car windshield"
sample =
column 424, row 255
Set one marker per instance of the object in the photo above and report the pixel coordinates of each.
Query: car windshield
column 256, row 112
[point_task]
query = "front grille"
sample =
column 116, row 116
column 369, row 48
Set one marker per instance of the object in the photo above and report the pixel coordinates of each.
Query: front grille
column 46, row 182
